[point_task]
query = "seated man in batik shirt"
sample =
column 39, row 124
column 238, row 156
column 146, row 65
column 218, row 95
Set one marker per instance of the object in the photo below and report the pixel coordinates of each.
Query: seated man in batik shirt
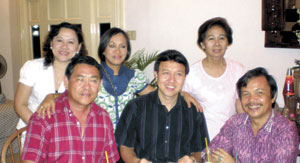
column 260, row 134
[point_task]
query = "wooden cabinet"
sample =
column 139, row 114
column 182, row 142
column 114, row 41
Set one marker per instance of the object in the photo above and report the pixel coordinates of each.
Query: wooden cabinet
column 279, row 17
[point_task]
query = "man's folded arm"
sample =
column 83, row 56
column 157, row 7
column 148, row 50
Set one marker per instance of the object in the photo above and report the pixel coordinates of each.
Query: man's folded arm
column 128, row 154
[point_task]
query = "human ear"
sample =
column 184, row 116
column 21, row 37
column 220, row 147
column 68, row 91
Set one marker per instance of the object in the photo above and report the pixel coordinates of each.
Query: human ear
column 155, row 75
column 79, row 47
column 274, row 98
column 201, row 46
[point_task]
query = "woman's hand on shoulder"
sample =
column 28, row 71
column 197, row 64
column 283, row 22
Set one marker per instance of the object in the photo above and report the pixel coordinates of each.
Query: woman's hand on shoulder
column 47, row 106
column 191, row 100
column 147, row 90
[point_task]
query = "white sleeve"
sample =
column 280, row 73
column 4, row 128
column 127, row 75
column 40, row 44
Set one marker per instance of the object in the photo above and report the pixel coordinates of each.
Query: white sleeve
column 28, row 73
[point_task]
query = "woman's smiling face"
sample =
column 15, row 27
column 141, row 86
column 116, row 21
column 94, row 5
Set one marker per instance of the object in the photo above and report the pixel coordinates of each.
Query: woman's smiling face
column 215, row 42
column 116, row 50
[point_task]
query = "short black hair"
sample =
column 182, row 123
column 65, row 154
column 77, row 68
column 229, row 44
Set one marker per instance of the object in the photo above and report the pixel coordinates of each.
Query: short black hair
column 82, row 60
column 217, row 21
column 171, row 55
column 47, row 51
column 257, row 72
column 105, row 39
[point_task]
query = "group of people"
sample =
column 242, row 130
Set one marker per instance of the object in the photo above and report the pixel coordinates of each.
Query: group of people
column 89, row 112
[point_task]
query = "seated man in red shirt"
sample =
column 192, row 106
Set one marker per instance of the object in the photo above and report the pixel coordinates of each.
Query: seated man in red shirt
column 79, row 130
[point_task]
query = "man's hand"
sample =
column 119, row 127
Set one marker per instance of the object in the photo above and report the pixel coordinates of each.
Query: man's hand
column 47, row 106
column 190, row 99
column 186, row 159
column 128, row 155
column 220, row 155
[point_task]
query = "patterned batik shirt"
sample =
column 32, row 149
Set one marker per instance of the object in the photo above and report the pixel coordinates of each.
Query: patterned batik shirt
column 59, row 138
column 276, row 142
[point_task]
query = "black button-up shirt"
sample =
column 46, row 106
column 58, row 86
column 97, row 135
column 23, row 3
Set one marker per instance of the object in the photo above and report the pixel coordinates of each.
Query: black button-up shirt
column 157, row 134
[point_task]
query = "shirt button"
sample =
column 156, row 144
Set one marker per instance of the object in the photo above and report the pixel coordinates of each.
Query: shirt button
column 166, row 141
column 167, row 127
column 78, row 124
column 83, row 157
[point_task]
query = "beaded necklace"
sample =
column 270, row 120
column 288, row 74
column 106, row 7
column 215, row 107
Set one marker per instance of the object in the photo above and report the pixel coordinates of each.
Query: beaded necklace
column 115, row 92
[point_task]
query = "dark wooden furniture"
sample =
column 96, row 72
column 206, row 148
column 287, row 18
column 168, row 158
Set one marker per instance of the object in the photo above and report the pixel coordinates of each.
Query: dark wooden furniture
column 279, row 23
column 9, row 146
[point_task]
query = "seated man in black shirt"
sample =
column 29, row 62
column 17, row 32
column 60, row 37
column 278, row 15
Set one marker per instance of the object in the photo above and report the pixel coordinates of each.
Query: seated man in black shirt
column 159, row 127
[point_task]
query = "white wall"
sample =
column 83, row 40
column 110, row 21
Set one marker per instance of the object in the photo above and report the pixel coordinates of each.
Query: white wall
column 6, row 47
column 164, row 24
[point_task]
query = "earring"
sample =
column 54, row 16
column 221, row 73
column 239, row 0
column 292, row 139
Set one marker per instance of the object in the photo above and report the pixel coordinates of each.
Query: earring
column 77, row 52
column 51, row 47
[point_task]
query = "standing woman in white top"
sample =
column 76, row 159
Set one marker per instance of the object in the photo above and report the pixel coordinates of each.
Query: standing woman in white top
column 40, row 77
column 212, row 80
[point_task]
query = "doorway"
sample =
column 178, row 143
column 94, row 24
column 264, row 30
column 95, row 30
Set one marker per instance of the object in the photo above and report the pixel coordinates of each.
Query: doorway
column 93, row 16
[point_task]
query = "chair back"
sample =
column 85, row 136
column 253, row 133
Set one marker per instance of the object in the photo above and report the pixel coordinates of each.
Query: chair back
column 8, row 145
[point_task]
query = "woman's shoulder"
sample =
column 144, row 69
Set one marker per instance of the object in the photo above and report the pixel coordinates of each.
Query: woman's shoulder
column 138, row 73
column 127, row 70
column 234, row 63
column 196, row 64
column 195, row 74
column 36, row 63
column 33, row 67
column 196, row 67
column 235, row 67
column 134, row 76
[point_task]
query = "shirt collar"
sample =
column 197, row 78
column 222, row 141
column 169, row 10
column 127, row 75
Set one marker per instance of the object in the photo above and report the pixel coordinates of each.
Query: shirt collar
column 268, row 125
column 67, row 109
column 177, row 105
column 110, row 71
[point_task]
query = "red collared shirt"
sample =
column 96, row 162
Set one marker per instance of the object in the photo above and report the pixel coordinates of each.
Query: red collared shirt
column 59, row 139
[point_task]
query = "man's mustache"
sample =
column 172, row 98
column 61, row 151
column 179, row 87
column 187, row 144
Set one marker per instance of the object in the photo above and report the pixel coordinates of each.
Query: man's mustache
column 254, row 104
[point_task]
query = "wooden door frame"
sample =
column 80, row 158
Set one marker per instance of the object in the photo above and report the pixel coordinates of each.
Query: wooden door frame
column 25, row 30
